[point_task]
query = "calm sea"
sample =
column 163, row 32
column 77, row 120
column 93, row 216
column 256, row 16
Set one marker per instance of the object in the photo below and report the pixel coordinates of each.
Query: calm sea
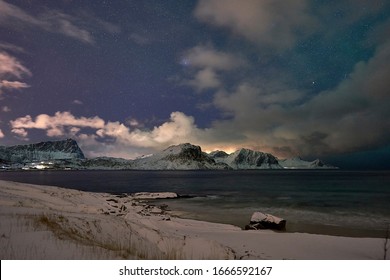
column 350, row 203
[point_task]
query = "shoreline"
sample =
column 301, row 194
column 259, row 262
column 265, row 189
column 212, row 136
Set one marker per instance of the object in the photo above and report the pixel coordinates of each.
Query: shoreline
column 44, row 222
column 293, row 227
column 240, row 220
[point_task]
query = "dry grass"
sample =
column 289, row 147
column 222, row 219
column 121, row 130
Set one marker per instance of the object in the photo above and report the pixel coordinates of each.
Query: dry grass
column 22, row 238
column 51, row 235
column 91, row 233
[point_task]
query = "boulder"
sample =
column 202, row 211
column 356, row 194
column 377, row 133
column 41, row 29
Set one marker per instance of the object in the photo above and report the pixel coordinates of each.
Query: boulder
column 266, row 221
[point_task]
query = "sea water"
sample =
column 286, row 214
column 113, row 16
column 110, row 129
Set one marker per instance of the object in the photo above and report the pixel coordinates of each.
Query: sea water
column 349, row 203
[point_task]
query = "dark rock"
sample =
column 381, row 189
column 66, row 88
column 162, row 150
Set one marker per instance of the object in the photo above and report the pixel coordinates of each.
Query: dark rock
column 164, row 206
column 248, row 157
column 218, row 154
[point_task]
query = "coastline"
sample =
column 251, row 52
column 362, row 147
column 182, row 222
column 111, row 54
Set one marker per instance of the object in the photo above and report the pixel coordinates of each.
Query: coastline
column 240, row 220
column 44, row 222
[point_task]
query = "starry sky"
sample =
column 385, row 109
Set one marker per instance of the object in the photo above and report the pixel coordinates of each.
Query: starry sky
column 307, row 78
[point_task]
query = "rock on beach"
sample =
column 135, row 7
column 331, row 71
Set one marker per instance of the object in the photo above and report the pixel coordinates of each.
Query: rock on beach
column 261, row 220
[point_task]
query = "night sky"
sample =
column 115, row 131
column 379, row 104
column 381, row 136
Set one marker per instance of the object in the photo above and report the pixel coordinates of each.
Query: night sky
column 307, row 78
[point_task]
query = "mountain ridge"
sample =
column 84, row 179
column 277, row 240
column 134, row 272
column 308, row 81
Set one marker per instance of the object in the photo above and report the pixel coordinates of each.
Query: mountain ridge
column 249, row 159
column 66, row 154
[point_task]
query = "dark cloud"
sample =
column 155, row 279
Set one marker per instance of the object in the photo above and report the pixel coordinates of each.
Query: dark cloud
column 275, row 24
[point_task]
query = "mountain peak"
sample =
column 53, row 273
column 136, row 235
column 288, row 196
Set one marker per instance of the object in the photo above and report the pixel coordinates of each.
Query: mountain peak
column 247, row 159
column 218, row 154
column 183, row 156
column 184, row 151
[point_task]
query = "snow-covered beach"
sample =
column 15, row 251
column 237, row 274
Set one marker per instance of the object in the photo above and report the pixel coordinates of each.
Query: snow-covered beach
column 44, row 222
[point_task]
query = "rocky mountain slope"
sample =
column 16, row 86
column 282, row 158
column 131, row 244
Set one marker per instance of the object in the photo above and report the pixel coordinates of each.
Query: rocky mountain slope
column 43, row 151
column 184, row 156
column 247, row 159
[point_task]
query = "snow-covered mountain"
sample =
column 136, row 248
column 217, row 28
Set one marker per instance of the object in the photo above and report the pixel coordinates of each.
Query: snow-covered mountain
column 298, row 163
column 43, row 151
column 184, row 156
column 66, row 154
column 247, row 159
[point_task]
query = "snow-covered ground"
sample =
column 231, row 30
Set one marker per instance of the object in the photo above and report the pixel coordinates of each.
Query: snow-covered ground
column 43, row 222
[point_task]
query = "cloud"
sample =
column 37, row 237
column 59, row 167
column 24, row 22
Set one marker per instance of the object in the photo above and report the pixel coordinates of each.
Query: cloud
column 1, row 134
column 11, row 47
column 253, row 96
column 52, row 21
column 139, row 39
column 205, row 56
column 6, row 109
column 205, row 79
column 10, row 67
column 78, row 28
column 13, row 84
column 61, row 124
column 56, row 125
column 355, row 115
column 133, row 122
column 265, row 111
column 100, row 138
column 9, row 11
column 359, row 106
column 67, row 25
column 93, row 22
column 279, row 25
column 180, row 128
column 21, row 132
column 104, row 138
column 275, row 24
column 77, row 102
column 205, row 62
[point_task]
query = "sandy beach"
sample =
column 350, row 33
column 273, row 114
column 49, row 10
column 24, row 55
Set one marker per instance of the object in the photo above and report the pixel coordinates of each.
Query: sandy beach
column 45, row 222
